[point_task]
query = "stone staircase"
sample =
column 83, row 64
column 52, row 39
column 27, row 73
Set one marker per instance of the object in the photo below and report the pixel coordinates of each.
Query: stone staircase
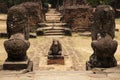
column 53, row 26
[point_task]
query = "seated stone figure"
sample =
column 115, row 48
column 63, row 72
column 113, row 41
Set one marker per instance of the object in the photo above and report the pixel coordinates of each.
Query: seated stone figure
column 104, row 50
column 55, row 49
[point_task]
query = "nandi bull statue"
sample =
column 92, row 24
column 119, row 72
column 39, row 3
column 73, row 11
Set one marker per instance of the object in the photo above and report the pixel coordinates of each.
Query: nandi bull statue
column 55, row 53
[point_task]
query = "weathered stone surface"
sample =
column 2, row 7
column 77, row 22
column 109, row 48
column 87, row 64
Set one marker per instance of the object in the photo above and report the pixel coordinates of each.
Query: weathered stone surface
column 78, row 17
column 104, row 50
column 16, row 47
column 113, row 69
column 18, row 34
column 35, row 14
column 17, row 21
column 114, row 75
column 55, row 53
column 10, row 65
column 61, row 75
column 77, row 14
column 56, row 60
column 103, row 32
column 104, row 21
column 56, row 48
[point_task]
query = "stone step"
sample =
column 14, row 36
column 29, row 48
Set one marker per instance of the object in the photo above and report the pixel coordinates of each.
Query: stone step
column 53, row 21
column 53, row 16
column 50, row 14
column 48, row 34
column 54, row 36
column 51, row 24
column 54, row 31
column 52, row 28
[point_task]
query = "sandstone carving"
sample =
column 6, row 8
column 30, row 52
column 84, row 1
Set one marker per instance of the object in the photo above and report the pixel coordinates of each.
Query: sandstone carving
column 55, row 48
column 103, row 32
column 17, row 44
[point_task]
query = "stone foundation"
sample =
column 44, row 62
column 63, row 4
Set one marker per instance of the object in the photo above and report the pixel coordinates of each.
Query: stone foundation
column 16, row 65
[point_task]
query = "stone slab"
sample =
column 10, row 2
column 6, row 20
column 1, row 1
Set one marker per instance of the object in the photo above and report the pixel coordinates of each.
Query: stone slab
column 60, row 75
column 16, row 65
column 55, row 60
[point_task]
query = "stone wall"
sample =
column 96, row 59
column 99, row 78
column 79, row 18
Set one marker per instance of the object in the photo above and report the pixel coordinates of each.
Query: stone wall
column 77, row 14
column 78, row 18
column 35, row 14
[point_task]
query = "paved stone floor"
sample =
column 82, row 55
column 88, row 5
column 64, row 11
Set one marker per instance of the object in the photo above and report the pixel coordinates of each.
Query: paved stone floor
column 74, row 68
column 97, row 74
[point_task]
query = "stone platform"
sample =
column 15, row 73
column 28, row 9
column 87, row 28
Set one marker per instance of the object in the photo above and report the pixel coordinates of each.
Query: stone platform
column 55, row 60
column 15, row 65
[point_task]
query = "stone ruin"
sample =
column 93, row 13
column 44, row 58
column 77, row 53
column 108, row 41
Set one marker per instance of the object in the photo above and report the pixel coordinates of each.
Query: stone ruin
column 17, row 21
column 35, row 14
column 77, row 14
column 55, row 53
column 77, row 18
column 103, row 33
column 18, row 35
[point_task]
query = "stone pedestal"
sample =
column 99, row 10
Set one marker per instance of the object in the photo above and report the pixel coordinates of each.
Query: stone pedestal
column 58, row 59
column 16, row 65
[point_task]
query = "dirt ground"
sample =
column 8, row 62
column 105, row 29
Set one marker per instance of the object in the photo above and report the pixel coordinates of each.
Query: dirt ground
column 76, row 49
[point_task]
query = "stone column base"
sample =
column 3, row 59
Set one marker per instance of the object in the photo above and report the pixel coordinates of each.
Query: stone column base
column 16, row 65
